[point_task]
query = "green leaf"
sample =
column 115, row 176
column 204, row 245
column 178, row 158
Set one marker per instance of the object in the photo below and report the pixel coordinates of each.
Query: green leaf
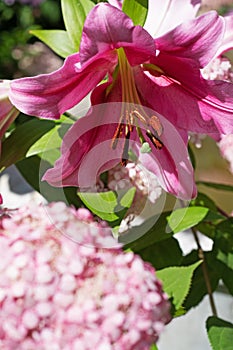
column 208, row 225
column 136, row 10
column 109, row 206
column 227, row 277
column 163, row 254
column 57, row 40
column 74, row 14
column 226, row 258
column 198, row 288
column 224, row 251
column 16, row 146
column 30, row 170
column 224, row 242
column 220, row 333
column 154, row 347
column 202, row 200
column 152, row 230
column 184, row 218
column 216, row 186
column 179, row 312
column 177, row 282
column 49, row 141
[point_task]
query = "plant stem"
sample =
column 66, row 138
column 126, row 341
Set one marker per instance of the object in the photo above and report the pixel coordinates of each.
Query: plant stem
column 223, row 212
column 205, row 272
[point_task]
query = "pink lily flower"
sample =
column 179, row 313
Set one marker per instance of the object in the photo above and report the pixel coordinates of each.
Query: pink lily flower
column 167, row 67
column 163, row 74
column 8, row 112
column 92, row 146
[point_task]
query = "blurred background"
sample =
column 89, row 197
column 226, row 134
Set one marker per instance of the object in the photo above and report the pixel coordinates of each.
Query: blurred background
column 22, row 54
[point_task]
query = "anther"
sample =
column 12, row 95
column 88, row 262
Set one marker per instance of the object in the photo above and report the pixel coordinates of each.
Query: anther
column 155, row 123
column 155, row 140
column 136, row 114
column 116, row 135
column 125, row 153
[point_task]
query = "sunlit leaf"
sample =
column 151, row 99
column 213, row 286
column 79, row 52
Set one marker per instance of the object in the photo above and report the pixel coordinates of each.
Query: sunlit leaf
column 136, row 10
column 57, row 40
column 177, row 282
column 220, row 333
column 184, row 218
column 153, row 347
column 49, row 141
column 109, row 206
column 74, row 14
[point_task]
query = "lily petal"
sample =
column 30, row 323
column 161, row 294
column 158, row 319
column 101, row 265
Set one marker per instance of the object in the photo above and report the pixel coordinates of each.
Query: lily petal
column 86, row 150
column 115, row 30
column 50, row 95
column 165, row 15
column 198, row 39
column 199, row 106
column 218, row 105
column 171, row 164
column 227, row 42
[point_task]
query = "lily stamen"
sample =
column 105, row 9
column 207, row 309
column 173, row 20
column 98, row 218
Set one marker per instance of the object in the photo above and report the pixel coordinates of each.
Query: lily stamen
column 155, row 140
column 156, row 125
column 116, row 135
column 125, row 153
column 130, row 115
column 139, row 116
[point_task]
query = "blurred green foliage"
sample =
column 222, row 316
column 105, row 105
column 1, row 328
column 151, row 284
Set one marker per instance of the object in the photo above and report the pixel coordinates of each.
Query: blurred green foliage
column 15, row 23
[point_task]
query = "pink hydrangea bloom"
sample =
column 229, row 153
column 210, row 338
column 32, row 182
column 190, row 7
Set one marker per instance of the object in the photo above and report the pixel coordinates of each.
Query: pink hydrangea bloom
column 219, row 69
column 57, row 294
